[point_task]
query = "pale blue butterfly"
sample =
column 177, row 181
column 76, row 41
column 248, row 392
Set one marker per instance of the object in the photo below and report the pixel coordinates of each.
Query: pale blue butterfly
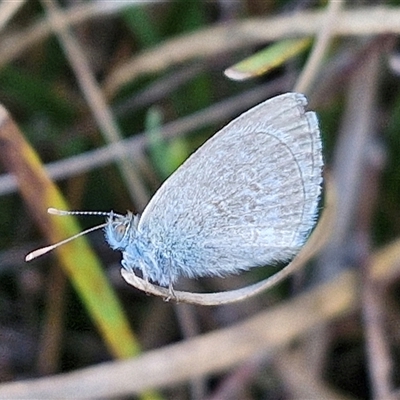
column 248, row 197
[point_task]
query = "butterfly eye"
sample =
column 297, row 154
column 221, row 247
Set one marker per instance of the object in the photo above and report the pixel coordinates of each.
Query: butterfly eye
column 119, row 232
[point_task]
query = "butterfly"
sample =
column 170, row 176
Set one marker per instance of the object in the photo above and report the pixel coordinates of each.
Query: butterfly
column 248, row 197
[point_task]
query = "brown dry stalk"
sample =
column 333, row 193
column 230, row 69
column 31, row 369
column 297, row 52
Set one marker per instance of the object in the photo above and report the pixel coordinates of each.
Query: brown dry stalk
column 218, row 351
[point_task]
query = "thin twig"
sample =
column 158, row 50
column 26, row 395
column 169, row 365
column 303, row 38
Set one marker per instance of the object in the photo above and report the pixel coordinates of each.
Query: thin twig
column 214, row 352
column 133, row 146
column 324, row 36
column 8, row 9
column 361, row 21
column 365, row 89
column 218, row 39
column 186, row 315
column 241, row 378
column 299, row 381
column 97, row 103
column 15, row 44
column 50, row 343
column 268, row 332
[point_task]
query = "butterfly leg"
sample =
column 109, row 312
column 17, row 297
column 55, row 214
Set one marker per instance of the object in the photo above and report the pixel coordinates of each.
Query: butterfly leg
column 171, row 293
column 126, row 265
column 129, row 264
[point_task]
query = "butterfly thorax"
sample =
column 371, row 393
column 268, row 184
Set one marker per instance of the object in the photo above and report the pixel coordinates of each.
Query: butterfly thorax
column 152, row 259
column 138, row 251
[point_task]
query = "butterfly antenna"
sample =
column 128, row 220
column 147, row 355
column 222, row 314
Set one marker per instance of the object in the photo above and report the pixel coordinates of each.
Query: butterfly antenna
column 55, row 211
column 44, row 250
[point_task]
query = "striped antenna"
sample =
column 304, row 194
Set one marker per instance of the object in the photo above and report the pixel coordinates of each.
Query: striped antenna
column 54, row 211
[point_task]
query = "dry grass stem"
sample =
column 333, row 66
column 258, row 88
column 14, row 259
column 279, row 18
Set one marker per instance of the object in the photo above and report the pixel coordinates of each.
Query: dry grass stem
column 134, row 146
column 321, row 46
column 13, row 45
column 300, row 383
column 218, row 351
column 8, row 10
column 96, row 102
column 267, row 332
column 71, row 71
column 219, row 39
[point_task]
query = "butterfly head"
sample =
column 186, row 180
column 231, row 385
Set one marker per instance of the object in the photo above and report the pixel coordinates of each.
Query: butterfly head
column 120, row 230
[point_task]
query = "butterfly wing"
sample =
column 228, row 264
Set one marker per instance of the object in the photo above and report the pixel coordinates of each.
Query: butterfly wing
column 247, row 197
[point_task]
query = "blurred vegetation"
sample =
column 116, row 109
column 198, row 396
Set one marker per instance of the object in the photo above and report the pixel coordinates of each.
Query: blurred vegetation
column 40, row 89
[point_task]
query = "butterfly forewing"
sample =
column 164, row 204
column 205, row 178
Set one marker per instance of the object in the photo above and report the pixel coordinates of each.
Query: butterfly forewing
column 247, row 197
